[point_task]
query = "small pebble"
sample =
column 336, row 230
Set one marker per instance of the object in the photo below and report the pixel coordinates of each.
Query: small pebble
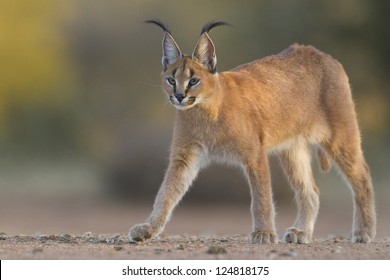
column 113, row 239
column 37, row 250
column 158, row 251
column 288, row 254
column 337, row 250
column 118, row 248
column 66, row 238
column 216, row 250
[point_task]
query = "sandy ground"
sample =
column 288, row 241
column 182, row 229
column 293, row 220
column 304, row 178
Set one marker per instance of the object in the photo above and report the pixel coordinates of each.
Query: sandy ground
column 93, row 246
column 97, row 230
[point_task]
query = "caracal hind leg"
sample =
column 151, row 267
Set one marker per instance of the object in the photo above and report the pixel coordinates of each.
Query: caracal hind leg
column 349, row 158
column 297, row 166
column 182, row 170
column 263, row 213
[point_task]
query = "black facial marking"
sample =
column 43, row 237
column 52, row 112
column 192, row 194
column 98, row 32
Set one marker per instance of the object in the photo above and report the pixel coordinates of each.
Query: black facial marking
column 192, row 73
column 173, row 74
column 184, row 64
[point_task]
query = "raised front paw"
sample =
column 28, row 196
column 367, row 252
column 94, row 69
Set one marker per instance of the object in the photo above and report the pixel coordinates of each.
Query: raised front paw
column 141, row 232
column 297, row 236
column 263, row 237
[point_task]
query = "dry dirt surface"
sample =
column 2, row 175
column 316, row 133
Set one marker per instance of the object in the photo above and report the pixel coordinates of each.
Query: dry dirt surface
column 69, row 229
column 116, row 246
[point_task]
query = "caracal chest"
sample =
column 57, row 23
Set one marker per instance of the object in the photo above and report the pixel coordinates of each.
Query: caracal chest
column 222, row 141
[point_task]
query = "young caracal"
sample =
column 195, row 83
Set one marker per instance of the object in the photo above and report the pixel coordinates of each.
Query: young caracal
column 281, row 104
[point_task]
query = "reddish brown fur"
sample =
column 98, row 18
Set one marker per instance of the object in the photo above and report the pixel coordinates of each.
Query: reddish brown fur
column 283, row 104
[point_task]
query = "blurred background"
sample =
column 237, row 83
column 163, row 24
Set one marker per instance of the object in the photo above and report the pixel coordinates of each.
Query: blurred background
column 85, row 128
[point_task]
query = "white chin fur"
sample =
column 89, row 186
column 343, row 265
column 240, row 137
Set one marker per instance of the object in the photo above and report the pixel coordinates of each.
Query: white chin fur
column 183, row 107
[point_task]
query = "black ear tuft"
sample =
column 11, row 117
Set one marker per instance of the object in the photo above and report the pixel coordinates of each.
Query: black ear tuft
column 159, row 23
column 205, row 51
column 211, row 24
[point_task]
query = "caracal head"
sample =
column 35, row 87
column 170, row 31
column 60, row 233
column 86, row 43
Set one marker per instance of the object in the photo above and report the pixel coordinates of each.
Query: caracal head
column 188, row 79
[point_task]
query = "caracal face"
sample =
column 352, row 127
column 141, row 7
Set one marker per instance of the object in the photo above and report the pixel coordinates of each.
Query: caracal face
column 186, row 83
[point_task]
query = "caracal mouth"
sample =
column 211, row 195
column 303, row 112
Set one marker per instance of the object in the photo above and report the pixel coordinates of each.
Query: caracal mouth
column 187, row 103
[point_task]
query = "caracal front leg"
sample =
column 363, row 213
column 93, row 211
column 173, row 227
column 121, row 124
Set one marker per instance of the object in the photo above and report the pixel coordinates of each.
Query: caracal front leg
column 183, row 167
column 263, row 213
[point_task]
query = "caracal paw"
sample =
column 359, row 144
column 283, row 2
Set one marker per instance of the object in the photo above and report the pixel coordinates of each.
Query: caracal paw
column 296, row 236
column 141, row 232
column 263, row 237
column 361, row 236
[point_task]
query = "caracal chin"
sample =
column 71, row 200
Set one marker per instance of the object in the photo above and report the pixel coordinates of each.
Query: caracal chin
column 283, row 104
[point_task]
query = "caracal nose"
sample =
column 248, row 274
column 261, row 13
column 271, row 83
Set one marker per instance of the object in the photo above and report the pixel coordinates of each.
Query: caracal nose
column 179, row 97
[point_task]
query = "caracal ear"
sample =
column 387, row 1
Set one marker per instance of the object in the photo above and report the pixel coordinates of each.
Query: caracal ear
column 205, row 53
column 171, row 51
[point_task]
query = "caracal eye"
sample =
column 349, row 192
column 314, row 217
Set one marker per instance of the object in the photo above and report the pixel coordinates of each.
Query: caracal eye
column 193, row 82
column 171, row 81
